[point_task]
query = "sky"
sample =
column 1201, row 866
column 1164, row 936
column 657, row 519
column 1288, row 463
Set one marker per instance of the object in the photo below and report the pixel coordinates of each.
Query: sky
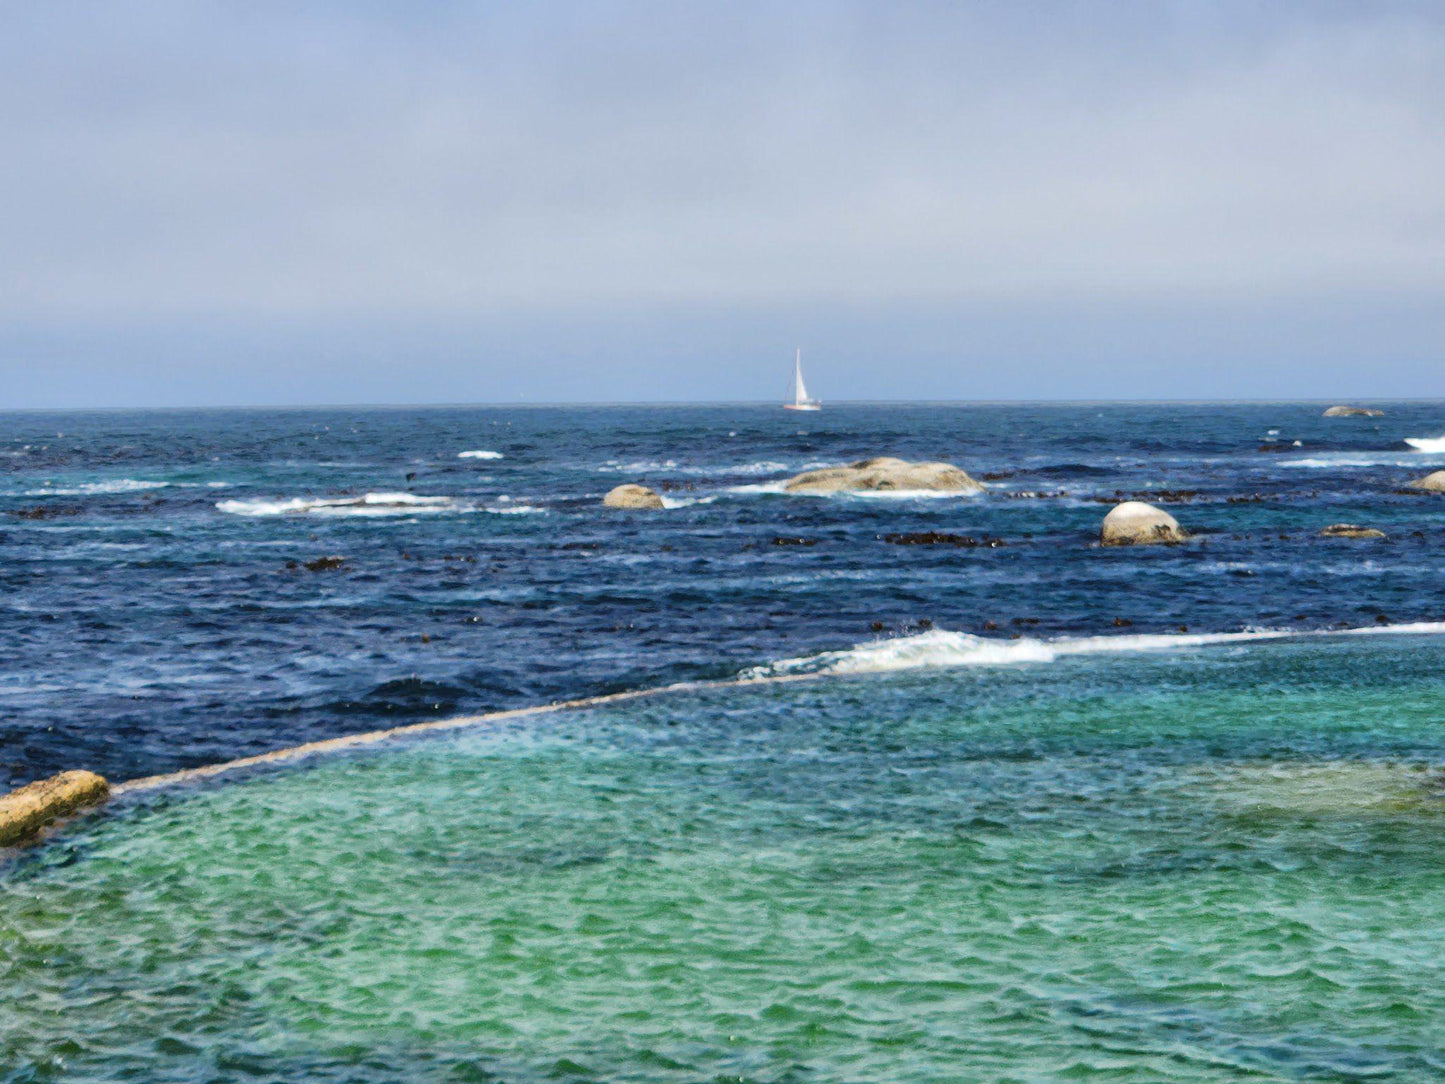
column 254, row 203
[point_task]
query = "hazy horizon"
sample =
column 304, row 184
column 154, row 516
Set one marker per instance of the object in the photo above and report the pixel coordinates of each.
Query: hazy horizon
column 208, row 205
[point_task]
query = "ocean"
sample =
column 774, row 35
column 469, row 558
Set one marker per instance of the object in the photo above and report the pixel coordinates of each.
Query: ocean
column 951, row 793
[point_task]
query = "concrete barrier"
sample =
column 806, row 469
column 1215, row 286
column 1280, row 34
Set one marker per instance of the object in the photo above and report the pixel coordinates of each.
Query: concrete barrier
column 25, row 811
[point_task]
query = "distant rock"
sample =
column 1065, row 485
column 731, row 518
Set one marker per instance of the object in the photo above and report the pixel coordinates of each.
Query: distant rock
column 1434, row 482
column 883, row 474
column 940, row 538
column 1350, row 530
column 25, row 811
column 1135, row 523
column 632, row 496
column 324, row 564
column 1353, row 412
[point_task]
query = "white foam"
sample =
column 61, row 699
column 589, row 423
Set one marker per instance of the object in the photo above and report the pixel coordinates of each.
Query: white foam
column 683, row 502
column 120, row 485
column 480, row 454
column 670, row 466
column 1337, row 460
column 1428, row 445
column 516, row 510
column 942, row 648
column 370, row 504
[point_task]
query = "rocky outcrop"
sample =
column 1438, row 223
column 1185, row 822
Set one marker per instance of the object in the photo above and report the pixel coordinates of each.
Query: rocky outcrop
column 25, row 811
column 1350, row 530
column 1353, row 412
column 883, row 474
column 1135, row 523
column 632, row 496
column 1434, row 482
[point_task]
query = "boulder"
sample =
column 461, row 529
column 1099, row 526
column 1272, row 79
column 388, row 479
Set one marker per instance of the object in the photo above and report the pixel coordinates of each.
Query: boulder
column 1135, row 523
column 25, row 811
column 632, row 496
column 1434, row 482
column 1350, row 530
column 1353, row 412
column 883, row 474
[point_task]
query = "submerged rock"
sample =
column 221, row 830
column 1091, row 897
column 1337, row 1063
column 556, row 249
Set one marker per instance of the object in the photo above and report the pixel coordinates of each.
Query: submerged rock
column 1135, row 523
column 1353, row 412
column 1434, row 482
column 629, row 495
column 1350, row 530
column 882, row 474
column 25, row 811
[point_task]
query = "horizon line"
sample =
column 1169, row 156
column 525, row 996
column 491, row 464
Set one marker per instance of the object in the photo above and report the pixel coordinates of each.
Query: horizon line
column 685, row 403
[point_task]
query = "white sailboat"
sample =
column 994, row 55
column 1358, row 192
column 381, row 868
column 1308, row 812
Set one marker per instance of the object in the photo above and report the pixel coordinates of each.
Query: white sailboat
column 799, row 391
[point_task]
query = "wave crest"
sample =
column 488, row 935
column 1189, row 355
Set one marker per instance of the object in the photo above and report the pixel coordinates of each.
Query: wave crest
column 943, row 648
column 369, row 504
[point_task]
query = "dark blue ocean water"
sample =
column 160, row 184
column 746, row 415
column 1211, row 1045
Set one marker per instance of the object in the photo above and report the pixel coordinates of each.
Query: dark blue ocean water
column 155, row 611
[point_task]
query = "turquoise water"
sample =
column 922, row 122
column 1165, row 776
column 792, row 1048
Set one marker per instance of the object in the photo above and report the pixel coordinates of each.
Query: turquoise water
column 1215, row 864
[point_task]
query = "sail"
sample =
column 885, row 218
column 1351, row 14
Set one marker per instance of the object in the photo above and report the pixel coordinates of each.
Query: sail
column 800, row 390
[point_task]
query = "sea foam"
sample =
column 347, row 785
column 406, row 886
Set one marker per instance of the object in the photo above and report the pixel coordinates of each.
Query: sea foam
column 480, row 454
column 370, row 504
column 85, row 489
column 940, row 648
column 1429, row 445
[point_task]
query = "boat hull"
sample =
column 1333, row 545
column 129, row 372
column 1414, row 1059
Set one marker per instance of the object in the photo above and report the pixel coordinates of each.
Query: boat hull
column 802, row 406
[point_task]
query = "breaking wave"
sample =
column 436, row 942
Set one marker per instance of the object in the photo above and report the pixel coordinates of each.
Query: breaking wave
column 85, row 489
column 369, row 504
column 1429, row 445
column 941, row 648
column 480, row 454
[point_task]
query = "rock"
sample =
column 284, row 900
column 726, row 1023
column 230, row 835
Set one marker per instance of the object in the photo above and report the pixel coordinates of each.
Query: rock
column 1434, row 482
column 1135, row 523
column 632, row 496
column 884, row 473
column 25, row 811
column 1349, row 530
column 324, row 564
column 1353, row 412
column 783, row 541
column 939, row 538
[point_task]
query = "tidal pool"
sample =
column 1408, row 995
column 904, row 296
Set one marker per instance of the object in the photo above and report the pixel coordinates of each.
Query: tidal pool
column 1225, row 864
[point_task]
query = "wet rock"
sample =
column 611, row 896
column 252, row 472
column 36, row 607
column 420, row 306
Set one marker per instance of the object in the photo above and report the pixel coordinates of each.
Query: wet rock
column 1278, row 447
column 1434, row 482
column 25, row 811
column 782, row 541
column 1135, row 523
column 43, row 512
column 1353, row 412
column 883, row 474
column 629, row 495
column 939, row 538
column 1122, row 623
column 324, row 564
column 1350, row 530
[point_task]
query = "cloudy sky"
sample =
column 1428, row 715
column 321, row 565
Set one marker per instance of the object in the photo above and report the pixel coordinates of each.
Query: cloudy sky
column 437, row 202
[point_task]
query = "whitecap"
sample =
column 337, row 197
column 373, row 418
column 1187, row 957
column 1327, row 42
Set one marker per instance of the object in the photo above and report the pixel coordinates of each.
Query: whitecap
column 684, row 502
column 85, row 489
column 480, row 454
column 370, row 504
column 943, row 648
column 1428, row 445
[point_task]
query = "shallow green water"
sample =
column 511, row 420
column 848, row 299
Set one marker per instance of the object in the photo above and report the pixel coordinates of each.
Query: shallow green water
column 1222, row 865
